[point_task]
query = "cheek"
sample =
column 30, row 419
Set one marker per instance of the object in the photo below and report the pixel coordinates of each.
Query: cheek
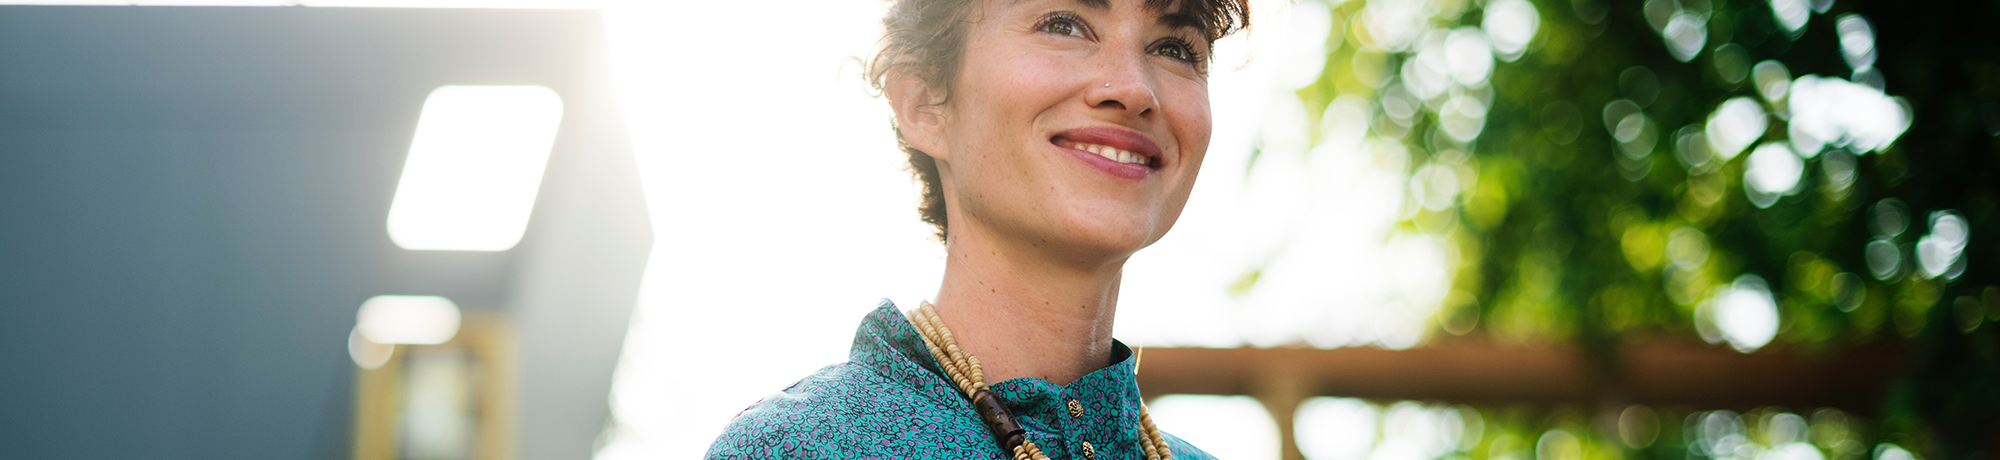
column 1192, row 124
column 1009, row 84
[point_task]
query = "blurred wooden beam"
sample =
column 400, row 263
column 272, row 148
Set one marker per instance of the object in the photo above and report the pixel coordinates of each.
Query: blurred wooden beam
column 1479, row 371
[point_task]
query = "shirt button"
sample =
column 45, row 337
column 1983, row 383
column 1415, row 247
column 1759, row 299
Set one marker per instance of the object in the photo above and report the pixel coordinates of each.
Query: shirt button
column 1088, row 451
column 1075, row 409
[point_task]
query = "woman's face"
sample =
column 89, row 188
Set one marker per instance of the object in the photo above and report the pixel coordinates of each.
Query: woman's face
column 1074, row 125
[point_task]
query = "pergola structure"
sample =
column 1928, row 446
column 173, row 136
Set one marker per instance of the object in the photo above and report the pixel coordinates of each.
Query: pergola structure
column 1480, row 370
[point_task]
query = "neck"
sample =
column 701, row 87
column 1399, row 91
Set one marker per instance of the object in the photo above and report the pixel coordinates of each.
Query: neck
column 1027, row 315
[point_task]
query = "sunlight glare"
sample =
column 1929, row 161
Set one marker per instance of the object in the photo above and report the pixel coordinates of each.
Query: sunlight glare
column 474, row 168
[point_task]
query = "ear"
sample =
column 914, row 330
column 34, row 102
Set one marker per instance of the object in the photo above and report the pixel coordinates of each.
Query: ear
column 917, row 117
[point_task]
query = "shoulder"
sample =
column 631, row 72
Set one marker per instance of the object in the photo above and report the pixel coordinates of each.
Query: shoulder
column 1184, row 451
column 848, row 411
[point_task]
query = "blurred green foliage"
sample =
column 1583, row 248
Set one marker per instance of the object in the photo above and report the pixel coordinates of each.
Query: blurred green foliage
column 1568, row 235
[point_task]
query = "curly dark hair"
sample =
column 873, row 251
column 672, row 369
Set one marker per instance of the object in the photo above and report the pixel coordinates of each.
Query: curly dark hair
column 927, row 39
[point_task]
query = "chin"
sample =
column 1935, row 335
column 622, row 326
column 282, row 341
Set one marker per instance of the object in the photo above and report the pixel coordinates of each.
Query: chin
column 1097, row 238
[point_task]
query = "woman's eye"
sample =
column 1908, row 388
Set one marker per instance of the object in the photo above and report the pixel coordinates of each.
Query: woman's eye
column 1062, row 26
column 1176, row 50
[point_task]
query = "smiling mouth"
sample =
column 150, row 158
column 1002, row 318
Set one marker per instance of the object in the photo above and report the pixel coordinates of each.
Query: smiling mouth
column 1109, row 153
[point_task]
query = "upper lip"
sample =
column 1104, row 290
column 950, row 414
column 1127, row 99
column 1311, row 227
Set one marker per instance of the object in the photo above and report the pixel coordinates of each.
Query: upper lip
column 1118, row 138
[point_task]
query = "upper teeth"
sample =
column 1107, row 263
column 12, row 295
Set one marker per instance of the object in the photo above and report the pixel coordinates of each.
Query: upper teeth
column 1113, row 154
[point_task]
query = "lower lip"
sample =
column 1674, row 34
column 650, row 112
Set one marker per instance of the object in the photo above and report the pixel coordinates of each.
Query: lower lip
column 1124, row 170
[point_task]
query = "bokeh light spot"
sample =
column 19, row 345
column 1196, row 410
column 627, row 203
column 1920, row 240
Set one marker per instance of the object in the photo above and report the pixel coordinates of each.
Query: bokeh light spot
column 1336, row 428
column 1940, row 253
column 1857, row 40
column 1773, row 80
column 1225, row 426
column 1746, row 314
column 1511, row 25
column 1638, row 426
column 1735, row 125
column 1732, row 62
column 1790, row 15
column 407, row 319
column 1845, row 114
column 1558, row 444
column 367, row 353
column 1773, row 171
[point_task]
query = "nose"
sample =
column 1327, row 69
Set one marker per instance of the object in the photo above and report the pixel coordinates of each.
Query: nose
column 1126, row 86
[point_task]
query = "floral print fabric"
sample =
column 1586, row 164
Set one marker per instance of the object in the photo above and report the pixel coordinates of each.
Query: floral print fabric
column 891, row 400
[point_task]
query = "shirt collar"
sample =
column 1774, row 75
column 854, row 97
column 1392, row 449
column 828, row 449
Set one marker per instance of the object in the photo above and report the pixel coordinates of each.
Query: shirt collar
column 1107, row 399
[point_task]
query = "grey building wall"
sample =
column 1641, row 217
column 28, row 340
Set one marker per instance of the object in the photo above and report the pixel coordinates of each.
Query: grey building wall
column 192, row 206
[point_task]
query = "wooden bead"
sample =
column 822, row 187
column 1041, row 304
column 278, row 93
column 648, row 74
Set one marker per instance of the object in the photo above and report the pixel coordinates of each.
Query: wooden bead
column 999, row 420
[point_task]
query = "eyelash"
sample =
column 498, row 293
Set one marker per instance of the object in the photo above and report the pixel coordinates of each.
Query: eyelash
column 1193, row 56
column 1077, row 28
column 1063, row 17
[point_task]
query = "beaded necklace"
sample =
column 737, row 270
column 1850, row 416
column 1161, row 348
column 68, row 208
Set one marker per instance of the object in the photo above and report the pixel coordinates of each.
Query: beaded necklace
column 964, row 370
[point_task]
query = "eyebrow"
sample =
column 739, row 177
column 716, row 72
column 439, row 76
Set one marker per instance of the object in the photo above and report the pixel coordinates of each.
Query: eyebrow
column 1179, row 20
column 1174, row 20
column 1093, row 4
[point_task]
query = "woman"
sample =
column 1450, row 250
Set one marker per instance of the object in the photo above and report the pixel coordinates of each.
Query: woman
column 1055, row 138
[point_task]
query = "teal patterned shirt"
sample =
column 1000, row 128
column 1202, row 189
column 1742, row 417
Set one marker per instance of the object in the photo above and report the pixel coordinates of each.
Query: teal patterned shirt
column 891, row 400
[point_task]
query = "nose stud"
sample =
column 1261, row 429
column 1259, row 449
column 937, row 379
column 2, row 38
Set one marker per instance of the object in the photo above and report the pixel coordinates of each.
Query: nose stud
column 1107, row 85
